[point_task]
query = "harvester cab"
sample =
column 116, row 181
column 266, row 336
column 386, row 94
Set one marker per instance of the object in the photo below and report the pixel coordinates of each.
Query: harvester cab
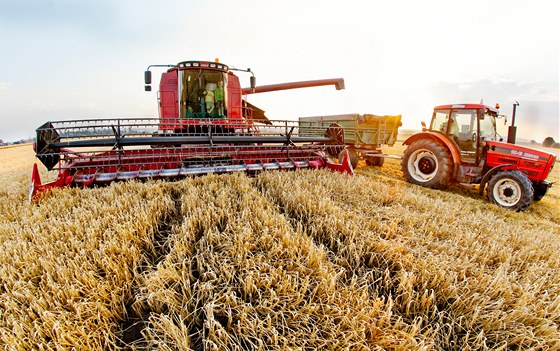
column 194, row 90
column 461, row 146
column 205, row 125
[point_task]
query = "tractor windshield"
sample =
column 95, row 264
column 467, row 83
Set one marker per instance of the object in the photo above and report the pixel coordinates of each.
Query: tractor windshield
column 439, row 121
column 203, row 93
column 487, row 126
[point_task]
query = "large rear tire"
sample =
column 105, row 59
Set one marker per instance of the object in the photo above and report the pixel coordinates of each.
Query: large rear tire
column 427, row 163
column 511, row 190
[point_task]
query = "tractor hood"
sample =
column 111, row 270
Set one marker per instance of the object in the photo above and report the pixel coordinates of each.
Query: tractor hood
column 520, row 151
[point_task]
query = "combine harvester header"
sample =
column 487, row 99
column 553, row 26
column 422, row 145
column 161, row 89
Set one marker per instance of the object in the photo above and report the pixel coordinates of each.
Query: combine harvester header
column 205, row 125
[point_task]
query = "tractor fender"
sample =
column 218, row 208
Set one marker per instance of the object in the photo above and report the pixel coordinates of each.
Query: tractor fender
column 439, row 138
column 491, row 173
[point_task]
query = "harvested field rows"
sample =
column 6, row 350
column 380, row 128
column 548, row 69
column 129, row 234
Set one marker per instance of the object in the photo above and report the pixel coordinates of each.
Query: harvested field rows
column 285, row 260
column 238, row 276
column 464, row 278
column 68, row 264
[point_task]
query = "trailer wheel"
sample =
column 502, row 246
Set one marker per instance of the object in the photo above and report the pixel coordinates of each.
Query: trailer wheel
column 375, row 161
column 354, row 158
column 428, row 163
column 511, row 190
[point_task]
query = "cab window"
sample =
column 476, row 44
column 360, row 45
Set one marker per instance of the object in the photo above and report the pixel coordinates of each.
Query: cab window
column 203, row 94
column 463, row 123
column 462, row 130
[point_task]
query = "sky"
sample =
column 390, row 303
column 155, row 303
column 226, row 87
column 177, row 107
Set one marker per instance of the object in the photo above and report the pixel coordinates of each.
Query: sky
column 81, row 59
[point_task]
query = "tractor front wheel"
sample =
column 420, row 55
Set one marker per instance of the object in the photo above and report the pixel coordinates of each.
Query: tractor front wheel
column 511, row 190
column 428, row 163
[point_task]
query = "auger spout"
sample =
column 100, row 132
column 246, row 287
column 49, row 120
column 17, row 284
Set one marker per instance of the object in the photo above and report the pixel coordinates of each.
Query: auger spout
column 337, row 82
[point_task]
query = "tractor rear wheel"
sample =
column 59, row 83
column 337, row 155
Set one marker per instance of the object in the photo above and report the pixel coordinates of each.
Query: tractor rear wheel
column 511, row 190
column 428, row 163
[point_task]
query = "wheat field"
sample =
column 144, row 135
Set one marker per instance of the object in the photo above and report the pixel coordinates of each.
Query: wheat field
column 299, row 260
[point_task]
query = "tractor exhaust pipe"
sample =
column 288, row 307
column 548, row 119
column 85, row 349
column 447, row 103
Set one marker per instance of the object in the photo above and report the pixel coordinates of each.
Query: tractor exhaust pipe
column 512, row 130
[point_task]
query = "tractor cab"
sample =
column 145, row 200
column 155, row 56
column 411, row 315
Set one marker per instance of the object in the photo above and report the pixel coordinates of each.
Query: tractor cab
column 468, row 126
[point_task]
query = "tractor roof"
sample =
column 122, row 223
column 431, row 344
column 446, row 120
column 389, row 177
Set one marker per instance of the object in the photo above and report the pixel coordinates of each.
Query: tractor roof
column 185, row 65
column 466, row 106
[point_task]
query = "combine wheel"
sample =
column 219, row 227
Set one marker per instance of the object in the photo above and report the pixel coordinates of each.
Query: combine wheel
column 375, row 161
column 428, row 163
column 336, row 146
column 354, row 158
column 511, row 190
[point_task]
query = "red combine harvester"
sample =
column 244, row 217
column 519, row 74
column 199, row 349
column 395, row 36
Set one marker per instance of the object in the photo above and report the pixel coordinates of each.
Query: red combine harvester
column 460, row 147
column 205, row 125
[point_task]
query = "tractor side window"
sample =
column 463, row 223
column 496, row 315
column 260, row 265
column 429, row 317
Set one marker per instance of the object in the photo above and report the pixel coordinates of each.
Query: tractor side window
column 439, row 121
column 463, row 123
column 462, row 130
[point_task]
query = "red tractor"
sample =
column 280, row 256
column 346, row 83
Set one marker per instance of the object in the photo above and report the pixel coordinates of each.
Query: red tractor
column 460, row 147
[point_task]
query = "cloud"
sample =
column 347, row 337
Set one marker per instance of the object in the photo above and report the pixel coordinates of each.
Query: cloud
column 42, row 106
column 4, row 86
column 496, row 89
column 60, row 13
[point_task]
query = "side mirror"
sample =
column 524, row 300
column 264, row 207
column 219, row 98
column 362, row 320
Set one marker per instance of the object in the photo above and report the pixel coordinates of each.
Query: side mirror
column 147, row 80
column 147, row 77
column 253, row 81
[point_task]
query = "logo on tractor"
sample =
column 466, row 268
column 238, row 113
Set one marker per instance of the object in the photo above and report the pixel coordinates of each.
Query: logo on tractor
column 524, row 154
